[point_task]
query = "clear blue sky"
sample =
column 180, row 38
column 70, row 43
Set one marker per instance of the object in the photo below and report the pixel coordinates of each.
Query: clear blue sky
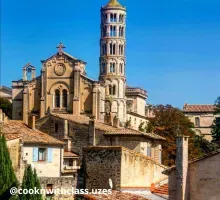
column 173, row 47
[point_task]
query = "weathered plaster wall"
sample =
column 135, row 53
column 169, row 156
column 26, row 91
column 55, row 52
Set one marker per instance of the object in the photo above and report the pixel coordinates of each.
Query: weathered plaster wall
column 125, row 167
column 45, row 168
column 204, row 179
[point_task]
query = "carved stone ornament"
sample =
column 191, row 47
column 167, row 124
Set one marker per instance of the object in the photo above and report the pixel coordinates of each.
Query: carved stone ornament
column 59, row 69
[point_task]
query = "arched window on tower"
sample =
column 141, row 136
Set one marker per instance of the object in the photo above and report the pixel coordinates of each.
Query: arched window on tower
column 57, row 98
column 110, row 89
column 103, row 67
column 104, row 31
column 115, row 17
column 113, row 31
column 64, row 98
column 197, row 122
column 121, row 68
column 104, row 49
column 112, row 67
column 114, row 90
column 112, row 17
column 121, row 18
column 122, row 31
column 112, row 49
column 106, row 18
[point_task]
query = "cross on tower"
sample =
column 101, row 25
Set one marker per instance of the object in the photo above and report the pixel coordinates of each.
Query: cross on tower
column 60, row 48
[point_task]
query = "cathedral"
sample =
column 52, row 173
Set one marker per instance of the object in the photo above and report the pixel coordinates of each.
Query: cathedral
column 64, row 87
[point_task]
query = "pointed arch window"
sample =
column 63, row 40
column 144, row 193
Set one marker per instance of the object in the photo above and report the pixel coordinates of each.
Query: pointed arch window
column 57, row 98
column 112, row 67
column 112, row 49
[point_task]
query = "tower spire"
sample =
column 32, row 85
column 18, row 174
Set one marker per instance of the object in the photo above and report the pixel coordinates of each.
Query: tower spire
column 113, row 3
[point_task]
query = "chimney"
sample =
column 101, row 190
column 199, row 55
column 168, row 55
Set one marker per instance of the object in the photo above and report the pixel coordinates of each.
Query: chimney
column 31, row 122
column 116, row 122
column 182, row 166
column 92, row 130
column 65, row 127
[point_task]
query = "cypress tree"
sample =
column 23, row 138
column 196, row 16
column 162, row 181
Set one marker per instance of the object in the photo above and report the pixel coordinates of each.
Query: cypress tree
column 7, row 175
column 37, row 185
column 30, row 181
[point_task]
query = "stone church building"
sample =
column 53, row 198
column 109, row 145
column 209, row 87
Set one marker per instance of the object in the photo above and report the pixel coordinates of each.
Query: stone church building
column 64, row 87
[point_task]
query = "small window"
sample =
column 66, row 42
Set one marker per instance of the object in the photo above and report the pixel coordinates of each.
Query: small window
column 149, row 151
column 197, row 122
column 56, row 127
column 42, row 154
column 111, row 18
column 71, row 162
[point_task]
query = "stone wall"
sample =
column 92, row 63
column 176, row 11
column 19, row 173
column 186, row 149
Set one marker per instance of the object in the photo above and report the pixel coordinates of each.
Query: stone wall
column 59, row 183
column 126, row 168
column 102, row 164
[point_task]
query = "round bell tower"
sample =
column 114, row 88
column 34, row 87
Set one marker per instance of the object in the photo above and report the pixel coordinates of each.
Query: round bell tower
column 112, row 58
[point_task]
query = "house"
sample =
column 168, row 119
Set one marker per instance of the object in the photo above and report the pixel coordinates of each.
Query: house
column 197, row 179
column 46, row 154
column 80, row 131
column 6, row 92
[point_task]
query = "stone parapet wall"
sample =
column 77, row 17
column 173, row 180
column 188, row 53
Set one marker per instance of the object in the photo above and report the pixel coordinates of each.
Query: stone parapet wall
column 126, row 168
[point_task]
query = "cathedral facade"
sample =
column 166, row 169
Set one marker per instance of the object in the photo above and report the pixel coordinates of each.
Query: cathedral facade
column 64, row 87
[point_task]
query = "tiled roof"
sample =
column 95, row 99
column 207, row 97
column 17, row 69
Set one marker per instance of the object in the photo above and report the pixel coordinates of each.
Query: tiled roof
column 116, row 195
column 198, row 108
column 12, row 136
column 14, row 128
column 109, row 130
column 69, row 154
column 167, row 171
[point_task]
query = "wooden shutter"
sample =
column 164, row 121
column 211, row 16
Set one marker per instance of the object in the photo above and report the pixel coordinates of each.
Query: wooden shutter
column 35, row 154
column 49, row 155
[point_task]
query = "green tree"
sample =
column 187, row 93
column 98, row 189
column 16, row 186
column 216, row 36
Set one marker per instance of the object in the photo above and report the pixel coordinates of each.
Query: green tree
column 6, row 107
column 166, row 122
column 7, row 175
column 30, row 181
column 141, row 127
column 215, row 128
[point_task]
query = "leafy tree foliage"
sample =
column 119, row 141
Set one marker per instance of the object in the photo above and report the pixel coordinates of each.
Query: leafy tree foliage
column 7, row 175
column 141, row 127
column 6, row 107
column 30, row 181
column 216, row 123
column 166, row 122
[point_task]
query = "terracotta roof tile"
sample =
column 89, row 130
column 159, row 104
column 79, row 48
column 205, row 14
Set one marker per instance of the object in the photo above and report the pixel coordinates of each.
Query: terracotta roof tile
column 109, row 130
column 198, row 108
column 28, row 135
column 116, row 195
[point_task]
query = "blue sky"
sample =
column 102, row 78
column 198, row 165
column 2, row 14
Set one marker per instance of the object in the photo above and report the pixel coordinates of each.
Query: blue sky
column 173, row 47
